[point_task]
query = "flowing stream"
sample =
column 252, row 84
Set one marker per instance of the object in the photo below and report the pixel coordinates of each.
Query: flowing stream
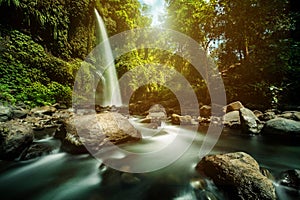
column 62, row 176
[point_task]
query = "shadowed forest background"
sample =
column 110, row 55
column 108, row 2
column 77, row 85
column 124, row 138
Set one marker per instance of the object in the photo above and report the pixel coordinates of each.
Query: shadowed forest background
column 254, row 43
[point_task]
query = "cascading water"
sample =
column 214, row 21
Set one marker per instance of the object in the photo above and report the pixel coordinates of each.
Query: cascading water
column 111, row 94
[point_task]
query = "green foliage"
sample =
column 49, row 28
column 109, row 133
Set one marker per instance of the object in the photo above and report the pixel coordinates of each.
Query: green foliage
column 10, row 2
column 64, row 28
column 121, row 15
column 31, row 75
column 251, row 42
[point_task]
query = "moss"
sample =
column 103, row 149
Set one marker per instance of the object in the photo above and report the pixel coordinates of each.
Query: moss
column 31, row 75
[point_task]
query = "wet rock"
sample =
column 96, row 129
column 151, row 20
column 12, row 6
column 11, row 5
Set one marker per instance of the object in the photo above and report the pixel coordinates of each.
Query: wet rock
column 268, row 115
column 62, row 115
column 258, row 113
column 157, row 114
column 290, row 178
column 232, row 119
column 297, row 116
column 46, row 131
column 15, row 137
column 37, row 150
column 181, row 120
column 198, row 184
column 5, row 113
column 293, row 115
column 44, row 110
column 250, row 123
column 43, row 126
column 145, row 120
column 282, row 126
column 238, row 174
column 234, row 106
column 95, row 131
column 20, row 114
column 267, row 173
column 205, row 111
column 204, row 120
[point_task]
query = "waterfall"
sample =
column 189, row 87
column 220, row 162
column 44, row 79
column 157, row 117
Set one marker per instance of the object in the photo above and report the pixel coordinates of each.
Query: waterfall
column 106, row 68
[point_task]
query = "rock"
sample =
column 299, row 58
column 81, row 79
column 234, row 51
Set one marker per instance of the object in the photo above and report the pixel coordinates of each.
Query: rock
column 238, row 174
column 5, row 113
column 234, row 106
column 267, row 173
column 297, row 116
column 293, row 115
column 44, row 110
column 43, row 126
column 20, row 114
column 37, row 150
column 61, row 115
column 282, row 126
column 258, row 113
column 181, row 120
column 205, row 111
column 204, row 120
column 268, row 115
column 157, row 114
column 145, row 121
column 290, row 178
column 198, row 184
column 46, row 131
column 15, row 137
column 250, row 123
column 232, row 119
column 95, row 131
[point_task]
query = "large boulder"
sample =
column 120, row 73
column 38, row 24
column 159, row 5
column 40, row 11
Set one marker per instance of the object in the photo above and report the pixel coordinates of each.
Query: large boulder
column 290, row 178
column 205, row 111
column 157, row 114
column 15, row 137
column 95, row 131
column 293, row 115
column 282, row 126
column 181, row 120
column 37, row 150
column 232, row 119
column 238, row 174
column 250, row 123
column 234, row 106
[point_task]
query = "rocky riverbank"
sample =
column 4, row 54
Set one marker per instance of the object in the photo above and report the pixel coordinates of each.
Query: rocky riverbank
column 21, row 128
column 236, row 116
column 237, row 174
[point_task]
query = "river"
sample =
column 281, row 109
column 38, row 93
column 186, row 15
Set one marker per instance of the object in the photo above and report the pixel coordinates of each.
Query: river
column 61, row 176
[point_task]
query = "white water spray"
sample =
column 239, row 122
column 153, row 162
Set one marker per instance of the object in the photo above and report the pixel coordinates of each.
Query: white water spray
column 106, row 68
